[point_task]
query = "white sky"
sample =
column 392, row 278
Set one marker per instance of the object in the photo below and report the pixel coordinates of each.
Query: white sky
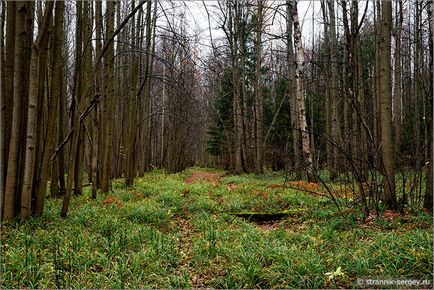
column 198, row 17
column 309, row 12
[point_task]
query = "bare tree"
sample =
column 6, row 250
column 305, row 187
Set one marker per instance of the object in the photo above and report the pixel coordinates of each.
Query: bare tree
column 428, row 199
column 397, row 79
column 259, row 119
column 7, row 96
column 305, row 140
column 109, row 101
column 386, row 105
column 23, row 37
column 30, row 154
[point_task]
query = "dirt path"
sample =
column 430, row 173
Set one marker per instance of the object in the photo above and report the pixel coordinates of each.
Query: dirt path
column 210, row 177
column 184, row 245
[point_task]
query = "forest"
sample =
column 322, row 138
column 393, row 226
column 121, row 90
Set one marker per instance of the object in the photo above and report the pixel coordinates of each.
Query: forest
column 216, row 144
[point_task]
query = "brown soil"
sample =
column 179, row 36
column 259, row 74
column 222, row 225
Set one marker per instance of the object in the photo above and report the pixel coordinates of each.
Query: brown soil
column 269, row 226
column 213, row 178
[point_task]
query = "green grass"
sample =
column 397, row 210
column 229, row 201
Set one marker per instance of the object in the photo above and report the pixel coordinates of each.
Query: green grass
column 173, row 234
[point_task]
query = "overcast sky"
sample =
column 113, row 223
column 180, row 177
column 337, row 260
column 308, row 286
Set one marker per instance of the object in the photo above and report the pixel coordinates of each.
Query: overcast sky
column 309, row 13
column 197, row 19
column 198, row 13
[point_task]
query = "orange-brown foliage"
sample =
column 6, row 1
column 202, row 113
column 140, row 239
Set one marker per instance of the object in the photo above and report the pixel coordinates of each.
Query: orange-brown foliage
column 137, row 195
column 261, row 194
column 303, row 185
column 210, row 177
column 342, row 192
column 112, row 200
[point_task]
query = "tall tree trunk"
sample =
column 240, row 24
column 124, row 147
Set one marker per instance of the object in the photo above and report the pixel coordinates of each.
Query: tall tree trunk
column 7, row 97
column 397, row 82
column 131, row 133
column 238, row 122
column 386, row 105
column 35, row 64
column 428, row 199
column 292, row 91
column 305, row 140
column 79, row 98
column 150, row 36
column 334, row 86
column 4, row 106
column 244, row 124
column 55, row 91
column 258, row 93
column 108, row 106
column 98, row 85
column 86, row 70
column 349, row 83
column 3, row 103
column 377, row 100
column 140, row 151
column 62, row 124
column 417, row 84
column 328, row 101
column 354, row 47
column 359, row 102
column 23, row 38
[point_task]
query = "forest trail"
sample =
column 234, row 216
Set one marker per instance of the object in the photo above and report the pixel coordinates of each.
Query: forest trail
column 179, row 231
column 210, row 177
column 166, row 98
column 96, row 188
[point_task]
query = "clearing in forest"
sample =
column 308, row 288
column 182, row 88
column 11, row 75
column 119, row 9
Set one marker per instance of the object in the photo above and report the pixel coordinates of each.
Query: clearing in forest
column 180, row 231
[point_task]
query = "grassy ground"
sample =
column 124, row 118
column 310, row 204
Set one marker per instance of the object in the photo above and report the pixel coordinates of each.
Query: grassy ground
column 177, row 231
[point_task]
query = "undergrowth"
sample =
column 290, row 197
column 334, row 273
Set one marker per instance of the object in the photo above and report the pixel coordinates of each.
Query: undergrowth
column 166, row 232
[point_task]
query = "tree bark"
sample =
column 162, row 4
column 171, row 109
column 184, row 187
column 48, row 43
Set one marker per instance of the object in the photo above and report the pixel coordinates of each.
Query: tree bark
column 79, row 97
column 386, row 105
column 258, row 93
column 418, row 56
column 238, row 122
column 428, row 199
column 96, row 114
column 329, row 90
column 7, row 96
column 334, row 86
column 397, row 82
column 150, row 38
column 35, row 64
column 55, row 90
column 62, row 123
column 108, row 106
column 292, row 88
column 377, row 102
column 23, row 39
column 131, row 131
column 305, row 140
column 4, row 104
column 86, row 71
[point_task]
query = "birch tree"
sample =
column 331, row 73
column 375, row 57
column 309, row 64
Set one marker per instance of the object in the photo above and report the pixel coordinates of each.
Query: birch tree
column 299, row 72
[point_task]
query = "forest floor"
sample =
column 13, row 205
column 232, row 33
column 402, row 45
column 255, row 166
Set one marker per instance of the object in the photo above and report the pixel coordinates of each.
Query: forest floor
column 179, row 231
